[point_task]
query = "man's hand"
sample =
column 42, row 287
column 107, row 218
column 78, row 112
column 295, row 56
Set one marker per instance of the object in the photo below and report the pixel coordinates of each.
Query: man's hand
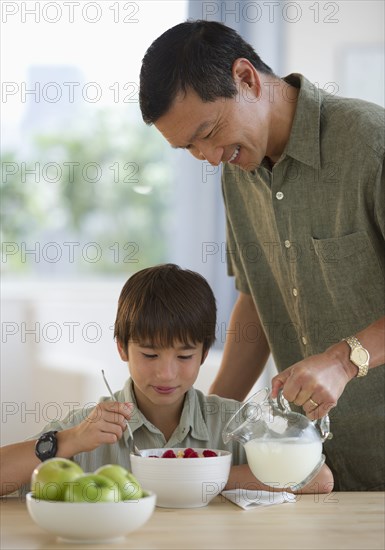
column 315, row 383
column 318, row 381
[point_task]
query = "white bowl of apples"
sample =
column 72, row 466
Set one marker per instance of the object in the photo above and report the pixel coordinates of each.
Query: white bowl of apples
column 182, row 478
column 87, row 507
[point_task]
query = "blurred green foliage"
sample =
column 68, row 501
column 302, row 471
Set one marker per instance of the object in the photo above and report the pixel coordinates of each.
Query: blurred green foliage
column 106, row 183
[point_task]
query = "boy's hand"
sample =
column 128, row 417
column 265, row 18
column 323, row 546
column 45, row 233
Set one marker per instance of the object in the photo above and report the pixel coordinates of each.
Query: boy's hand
column 105, row 424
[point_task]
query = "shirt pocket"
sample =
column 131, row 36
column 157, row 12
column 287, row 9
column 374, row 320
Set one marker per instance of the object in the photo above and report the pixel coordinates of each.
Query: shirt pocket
column 351, row 274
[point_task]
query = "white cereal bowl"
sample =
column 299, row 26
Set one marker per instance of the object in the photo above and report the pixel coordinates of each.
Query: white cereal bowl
column 182, row 482
column 94, row 522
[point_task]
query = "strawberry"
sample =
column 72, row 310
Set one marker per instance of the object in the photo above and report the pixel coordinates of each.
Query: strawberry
column 208, row 453
column 190, row 453
column 194, row 454
column 168, row 454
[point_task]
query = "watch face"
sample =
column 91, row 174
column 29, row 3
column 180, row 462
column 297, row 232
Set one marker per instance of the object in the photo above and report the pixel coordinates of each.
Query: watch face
column 45, row 446
column 359, row 356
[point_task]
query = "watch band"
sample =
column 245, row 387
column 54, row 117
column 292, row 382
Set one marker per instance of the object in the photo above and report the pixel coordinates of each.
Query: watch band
column 359, row 356
column 46, row 446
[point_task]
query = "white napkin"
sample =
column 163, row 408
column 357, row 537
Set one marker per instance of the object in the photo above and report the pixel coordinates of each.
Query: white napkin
column 247, row 499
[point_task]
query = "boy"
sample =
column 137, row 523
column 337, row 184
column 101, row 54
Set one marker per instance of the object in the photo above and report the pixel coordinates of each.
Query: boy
column 164, row 328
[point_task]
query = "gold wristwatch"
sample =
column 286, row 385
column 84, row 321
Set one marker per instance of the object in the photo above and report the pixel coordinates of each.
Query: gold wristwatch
column 358, row 355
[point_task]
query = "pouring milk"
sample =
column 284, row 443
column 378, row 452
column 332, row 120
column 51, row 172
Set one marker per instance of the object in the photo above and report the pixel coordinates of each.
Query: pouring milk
column 283, row 447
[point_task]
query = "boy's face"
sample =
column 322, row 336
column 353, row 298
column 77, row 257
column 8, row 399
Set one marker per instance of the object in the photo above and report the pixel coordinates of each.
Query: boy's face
column 162, row 376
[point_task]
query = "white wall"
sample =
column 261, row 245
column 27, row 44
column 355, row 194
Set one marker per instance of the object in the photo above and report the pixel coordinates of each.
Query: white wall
column 339, row 45
column 56, row 338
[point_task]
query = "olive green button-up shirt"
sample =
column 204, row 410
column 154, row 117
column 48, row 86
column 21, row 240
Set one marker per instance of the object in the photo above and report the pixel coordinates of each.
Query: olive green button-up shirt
column 306, row 240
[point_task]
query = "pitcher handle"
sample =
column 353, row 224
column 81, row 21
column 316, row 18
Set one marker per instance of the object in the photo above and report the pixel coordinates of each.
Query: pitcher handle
column 323, row 424
column 283, row 403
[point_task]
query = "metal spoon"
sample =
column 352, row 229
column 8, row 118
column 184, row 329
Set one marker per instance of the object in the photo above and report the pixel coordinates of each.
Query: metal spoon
column 136, row 450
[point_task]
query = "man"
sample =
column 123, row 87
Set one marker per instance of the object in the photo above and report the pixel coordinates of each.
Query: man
column 303, row 187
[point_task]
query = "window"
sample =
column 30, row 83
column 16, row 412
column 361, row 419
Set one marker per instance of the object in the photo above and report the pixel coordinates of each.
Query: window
column 86, row 185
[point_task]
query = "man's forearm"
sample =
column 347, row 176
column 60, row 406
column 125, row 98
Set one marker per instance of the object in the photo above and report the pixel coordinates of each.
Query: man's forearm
column 245, row 354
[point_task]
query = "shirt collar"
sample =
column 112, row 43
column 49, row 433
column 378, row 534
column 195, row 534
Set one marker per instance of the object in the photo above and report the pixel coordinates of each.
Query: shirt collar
column 304, row 140
column 137, row 419
column 191, row 417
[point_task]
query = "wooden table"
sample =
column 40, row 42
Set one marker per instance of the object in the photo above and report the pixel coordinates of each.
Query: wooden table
column 339, row 520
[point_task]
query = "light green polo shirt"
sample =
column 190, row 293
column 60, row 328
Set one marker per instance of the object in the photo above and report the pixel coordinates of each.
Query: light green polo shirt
column 306, row 240
column 202, row 421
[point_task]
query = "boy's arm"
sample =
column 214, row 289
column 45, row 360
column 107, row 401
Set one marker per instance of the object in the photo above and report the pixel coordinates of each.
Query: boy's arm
column 241, row 477
column 18, row 461
column 104, row 425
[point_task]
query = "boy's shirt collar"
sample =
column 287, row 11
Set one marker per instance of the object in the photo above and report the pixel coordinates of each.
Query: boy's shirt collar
column 137, row 419
column 191, row 419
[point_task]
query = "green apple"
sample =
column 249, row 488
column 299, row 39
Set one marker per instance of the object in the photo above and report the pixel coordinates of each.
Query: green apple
column 51, row 476
column 129, row 486
column 92, row 488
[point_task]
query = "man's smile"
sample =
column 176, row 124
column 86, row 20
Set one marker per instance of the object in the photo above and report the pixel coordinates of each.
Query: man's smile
column 234, row 156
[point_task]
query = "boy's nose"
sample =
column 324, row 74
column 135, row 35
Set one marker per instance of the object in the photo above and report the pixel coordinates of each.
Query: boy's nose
column 167, row 370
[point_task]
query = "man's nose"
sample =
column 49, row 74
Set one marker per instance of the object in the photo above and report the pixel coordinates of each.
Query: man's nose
column 213, row 155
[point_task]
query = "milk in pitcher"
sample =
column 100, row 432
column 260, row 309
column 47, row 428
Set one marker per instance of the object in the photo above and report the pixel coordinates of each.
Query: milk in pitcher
column 282, row 463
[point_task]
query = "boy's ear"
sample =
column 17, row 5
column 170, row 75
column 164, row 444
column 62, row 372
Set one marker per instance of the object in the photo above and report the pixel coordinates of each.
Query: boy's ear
column 122, row 352
column 204, row 356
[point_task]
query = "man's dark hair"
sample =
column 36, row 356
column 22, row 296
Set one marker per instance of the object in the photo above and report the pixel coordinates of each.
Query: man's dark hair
column 197, row 55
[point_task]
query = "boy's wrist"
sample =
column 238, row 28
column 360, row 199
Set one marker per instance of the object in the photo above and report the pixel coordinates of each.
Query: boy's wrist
column 66, row 444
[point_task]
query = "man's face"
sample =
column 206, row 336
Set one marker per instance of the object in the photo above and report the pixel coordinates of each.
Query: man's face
column 231, row 130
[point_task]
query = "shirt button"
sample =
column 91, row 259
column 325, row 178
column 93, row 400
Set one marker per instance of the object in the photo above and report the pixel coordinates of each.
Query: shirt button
column 287, row 244
column 295, row 292
column 279, row 195
column 304, row 341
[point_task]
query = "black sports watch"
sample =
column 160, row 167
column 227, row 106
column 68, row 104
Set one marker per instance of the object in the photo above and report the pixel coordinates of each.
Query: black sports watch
column 46, row 446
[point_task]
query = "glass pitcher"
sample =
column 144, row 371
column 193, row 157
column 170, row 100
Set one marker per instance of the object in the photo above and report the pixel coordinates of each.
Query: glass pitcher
column 283, row 447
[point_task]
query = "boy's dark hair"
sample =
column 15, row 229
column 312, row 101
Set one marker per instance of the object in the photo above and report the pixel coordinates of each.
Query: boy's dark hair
column 164, row 304
column 195, row 54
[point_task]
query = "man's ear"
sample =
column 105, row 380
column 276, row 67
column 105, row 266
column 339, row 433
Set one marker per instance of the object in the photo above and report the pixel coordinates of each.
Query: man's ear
column 245, row 75
column 122, row 352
